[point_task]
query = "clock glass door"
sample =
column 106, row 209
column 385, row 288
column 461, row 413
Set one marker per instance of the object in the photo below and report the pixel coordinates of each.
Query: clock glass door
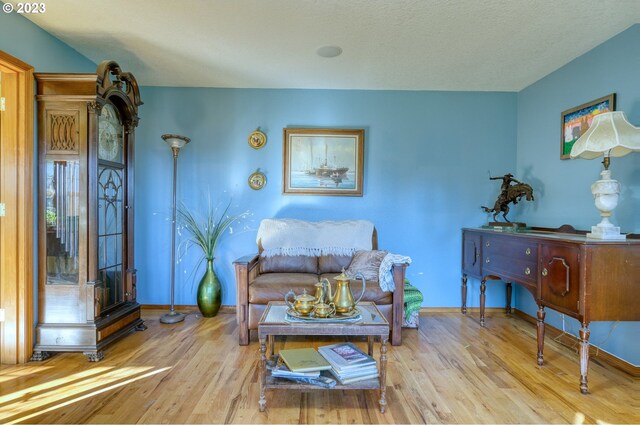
column 62, row 220
column 111, row 217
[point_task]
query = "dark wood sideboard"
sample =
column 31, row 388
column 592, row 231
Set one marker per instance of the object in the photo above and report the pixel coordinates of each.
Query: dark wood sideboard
column 589, row 280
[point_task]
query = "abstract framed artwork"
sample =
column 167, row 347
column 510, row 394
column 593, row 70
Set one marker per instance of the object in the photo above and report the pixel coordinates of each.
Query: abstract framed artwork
column 575, row 121
column 322, row 161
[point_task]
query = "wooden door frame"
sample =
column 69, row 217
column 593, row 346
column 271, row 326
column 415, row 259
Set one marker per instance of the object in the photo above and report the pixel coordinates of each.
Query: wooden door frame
column 16, row 191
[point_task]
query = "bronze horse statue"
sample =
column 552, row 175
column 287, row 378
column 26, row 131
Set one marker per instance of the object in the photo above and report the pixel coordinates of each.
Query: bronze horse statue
column 510, row 193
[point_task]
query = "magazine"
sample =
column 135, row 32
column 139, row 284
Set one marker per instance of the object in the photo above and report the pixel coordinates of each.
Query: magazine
column 321, row 381
column 280, row 370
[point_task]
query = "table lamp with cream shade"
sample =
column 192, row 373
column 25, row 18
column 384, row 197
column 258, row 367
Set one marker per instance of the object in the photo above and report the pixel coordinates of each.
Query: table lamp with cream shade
column 610, row 135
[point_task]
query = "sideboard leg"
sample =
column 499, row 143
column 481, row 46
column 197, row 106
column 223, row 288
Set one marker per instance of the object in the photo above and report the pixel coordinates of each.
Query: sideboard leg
column 483, row 296
column 463, row 309
column 584, row 357
column 508, row 309
column 383, row 373
column 541, row 315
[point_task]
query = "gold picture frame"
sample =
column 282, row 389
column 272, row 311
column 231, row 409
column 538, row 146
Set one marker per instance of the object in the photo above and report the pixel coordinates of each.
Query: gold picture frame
column 574, row 122
column 323, row 161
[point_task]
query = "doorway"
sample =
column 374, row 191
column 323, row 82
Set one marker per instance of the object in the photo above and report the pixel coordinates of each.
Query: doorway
column 16, row 210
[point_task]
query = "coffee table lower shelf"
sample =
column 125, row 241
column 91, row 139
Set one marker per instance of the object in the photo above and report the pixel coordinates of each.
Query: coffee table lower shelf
column 285, row 384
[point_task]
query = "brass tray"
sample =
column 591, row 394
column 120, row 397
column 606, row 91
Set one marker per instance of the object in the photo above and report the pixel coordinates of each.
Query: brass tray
column 351, row 317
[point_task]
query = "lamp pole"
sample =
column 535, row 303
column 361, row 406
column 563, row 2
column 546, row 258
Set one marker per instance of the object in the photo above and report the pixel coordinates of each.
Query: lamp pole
column 175, row 142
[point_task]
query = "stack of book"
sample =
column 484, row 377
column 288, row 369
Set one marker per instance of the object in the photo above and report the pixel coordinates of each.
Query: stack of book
column 280, row 370
column 302, row 365
column 349, row 363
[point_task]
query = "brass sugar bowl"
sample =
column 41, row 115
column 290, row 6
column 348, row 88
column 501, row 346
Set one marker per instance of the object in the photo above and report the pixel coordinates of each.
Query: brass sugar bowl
column 303, row 304
column 323, row 310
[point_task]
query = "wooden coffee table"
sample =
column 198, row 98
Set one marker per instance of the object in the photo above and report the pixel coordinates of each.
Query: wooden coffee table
column 372, row 324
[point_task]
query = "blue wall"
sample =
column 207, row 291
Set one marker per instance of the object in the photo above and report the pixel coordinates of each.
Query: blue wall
column 426, row 165
column 562, row 188
column 26, row 41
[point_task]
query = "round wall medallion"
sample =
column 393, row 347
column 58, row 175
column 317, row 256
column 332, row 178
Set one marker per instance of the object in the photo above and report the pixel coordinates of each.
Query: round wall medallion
column 257, row 139
column 257, row 180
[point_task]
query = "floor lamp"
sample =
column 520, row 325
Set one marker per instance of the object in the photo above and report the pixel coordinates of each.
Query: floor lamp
column 175, row 142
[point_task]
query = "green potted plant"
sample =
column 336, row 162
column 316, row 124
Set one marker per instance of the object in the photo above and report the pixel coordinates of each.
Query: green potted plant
column 206, row 233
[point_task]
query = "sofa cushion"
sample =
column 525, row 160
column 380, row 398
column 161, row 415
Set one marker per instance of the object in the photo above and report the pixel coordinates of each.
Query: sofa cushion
column 273, row 286
column 288, row 264
column 367, row 263
column 371, row 293
column 333, row 263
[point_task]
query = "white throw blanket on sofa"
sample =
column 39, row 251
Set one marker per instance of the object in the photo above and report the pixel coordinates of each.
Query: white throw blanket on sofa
column 385, row 277
column 298, row 237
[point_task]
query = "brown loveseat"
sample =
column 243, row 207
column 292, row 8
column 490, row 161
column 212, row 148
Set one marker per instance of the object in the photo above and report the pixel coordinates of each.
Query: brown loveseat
column 261, row 279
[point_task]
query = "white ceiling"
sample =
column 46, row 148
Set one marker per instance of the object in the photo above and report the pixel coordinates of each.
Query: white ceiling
column 484, row 45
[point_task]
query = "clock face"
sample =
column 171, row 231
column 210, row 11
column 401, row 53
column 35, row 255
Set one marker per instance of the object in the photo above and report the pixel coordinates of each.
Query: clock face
column 110, row 134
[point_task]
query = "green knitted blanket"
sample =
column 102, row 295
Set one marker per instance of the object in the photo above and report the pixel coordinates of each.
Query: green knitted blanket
column 412, row 302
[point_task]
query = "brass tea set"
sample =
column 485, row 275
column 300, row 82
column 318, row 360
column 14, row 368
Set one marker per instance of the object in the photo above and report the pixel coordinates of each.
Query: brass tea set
column 326, row 303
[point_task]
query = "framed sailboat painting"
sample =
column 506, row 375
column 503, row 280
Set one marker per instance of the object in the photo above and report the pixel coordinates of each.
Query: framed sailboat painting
column 322, row 161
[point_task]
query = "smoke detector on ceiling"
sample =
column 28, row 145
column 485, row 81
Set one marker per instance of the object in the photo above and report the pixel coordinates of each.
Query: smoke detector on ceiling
column 329, row 51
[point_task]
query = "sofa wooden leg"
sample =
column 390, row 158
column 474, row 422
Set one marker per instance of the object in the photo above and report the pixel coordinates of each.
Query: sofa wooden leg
column 244, row 336
column 396, row 336
column 243, row 325
column 398, row 304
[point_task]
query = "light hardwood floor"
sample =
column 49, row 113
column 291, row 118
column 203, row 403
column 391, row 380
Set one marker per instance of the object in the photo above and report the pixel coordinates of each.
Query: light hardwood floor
column 449, row 371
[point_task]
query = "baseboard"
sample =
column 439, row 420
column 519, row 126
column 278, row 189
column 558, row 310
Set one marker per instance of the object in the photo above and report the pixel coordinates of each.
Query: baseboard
column 571, row 341
column 426, row 310
column 225, row 309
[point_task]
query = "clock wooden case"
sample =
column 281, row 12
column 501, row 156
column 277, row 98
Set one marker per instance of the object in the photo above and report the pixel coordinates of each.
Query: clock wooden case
column 87, row 278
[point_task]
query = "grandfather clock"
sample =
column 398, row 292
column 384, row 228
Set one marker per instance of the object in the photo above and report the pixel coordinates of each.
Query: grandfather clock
column 87, row 278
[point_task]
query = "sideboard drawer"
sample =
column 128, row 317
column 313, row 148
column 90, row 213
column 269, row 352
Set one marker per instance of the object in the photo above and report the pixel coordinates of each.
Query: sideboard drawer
column 524, row 250
column 514, row 259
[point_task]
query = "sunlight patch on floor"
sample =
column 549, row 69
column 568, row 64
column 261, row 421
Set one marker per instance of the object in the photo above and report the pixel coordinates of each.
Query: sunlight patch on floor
column 62, row 392
column 26, row 371
column 579, row 418
column 51, row 384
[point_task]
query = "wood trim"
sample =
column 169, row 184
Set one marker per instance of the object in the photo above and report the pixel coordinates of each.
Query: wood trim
column 16, row 228
column 225, row 309
column 571, row 341
column 432, row 310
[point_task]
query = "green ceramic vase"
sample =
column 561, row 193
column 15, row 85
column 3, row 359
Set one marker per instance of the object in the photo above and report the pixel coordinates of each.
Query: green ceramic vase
column 209, row 292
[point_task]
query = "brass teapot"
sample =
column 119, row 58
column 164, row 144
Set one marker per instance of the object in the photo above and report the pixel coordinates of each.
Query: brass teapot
column 302, row 304
column 342, row 298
